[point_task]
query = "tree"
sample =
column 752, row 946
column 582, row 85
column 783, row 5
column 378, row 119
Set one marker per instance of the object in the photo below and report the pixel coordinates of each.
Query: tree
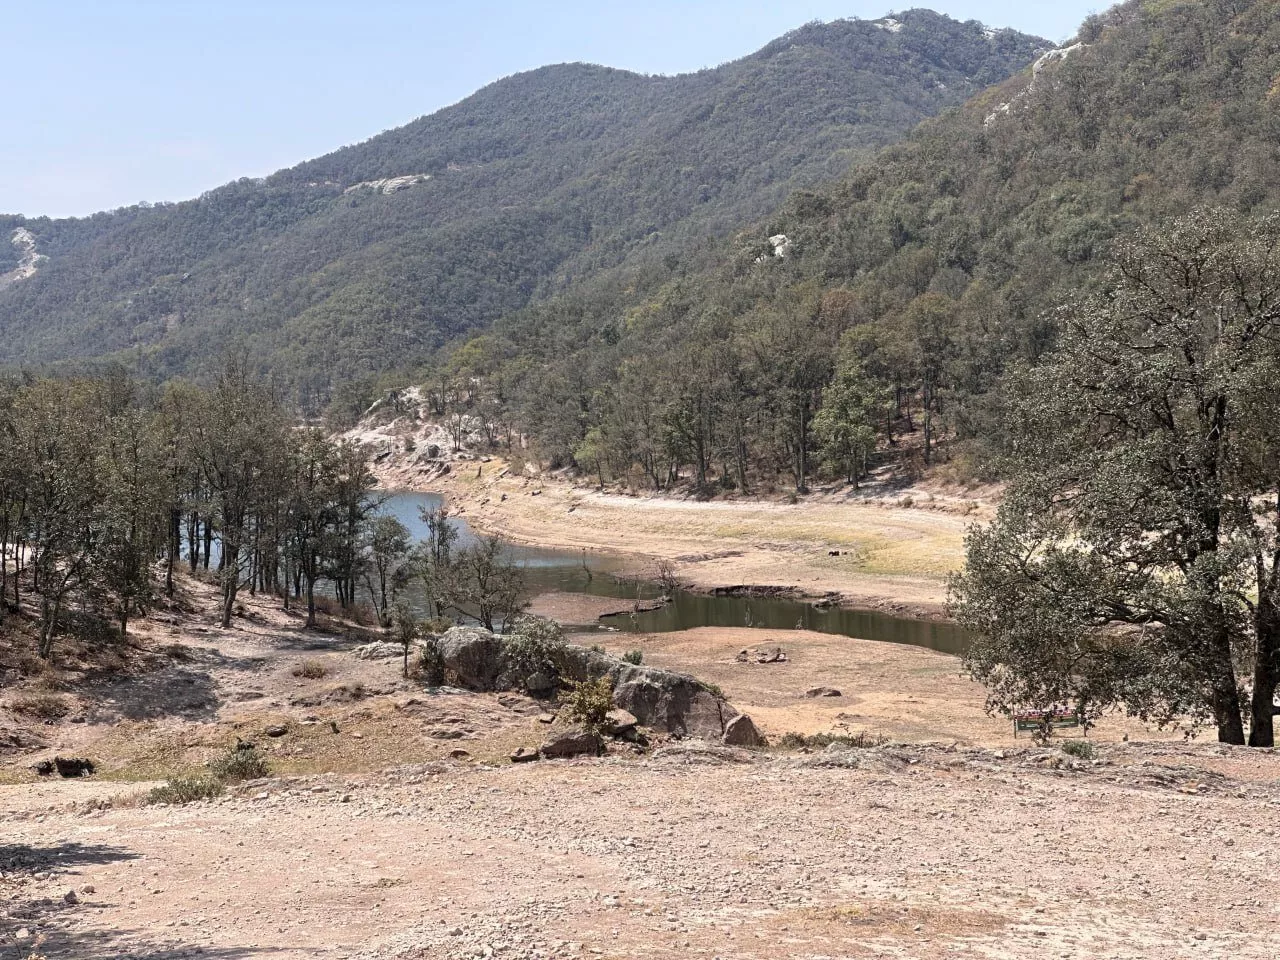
column 386, row 571
column 405, row 629
column 845, row 427
column 481, row 582
column 1134, row 562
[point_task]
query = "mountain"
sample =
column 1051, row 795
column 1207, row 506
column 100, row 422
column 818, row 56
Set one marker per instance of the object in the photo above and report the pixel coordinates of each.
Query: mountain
column 376, row 255
column 927, row 271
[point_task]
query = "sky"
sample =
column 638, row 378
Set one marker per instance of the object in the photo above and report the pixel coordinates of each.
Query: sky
column 106, row 103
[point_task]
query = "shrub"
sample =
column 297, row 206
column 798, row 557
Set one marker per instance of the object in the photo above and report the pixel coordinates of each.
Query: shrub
column 1080, row 749
column 634, row 657
column 311, row 670
column 534, row 644
column 186, row 789
column 45, row 706
column 859, row 741
column 596, row 648
column 241, row 762
column 431, row 662
column 589, row 703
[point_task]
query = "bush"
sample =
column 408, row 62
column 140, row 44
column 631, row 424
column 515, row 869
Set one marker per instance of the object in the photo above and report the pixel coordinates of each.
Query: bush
column 589, row 703
column 311, row 670
column 859, row 741
column 634, row 657
column 534, row 644
column 45, row 706
column 241, row 762
column 186, row 789
column 431, row 662
column 1080, row 749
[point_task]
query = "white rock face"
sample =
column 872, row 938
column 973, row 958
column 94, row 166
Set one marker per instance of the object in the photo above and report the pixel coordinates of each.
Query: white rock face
column 1056, row 55
column 781, row 245
column 29, row 258
column 888, row 23
column 390, row 185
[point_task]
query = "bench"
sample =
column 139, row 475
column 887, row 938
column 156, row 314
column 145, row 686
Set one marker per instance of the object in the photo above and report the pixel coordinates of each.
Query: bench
column 1029, row 721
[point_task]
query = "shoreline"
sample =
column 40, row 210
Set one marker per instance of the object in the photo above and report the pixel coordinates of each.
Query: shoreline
column 870, row 554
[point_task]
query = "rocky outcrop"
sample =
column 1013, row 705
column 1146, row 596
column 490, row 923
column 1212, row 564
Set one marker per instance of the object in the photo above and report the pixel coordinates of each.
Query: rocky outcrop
column 661, row 700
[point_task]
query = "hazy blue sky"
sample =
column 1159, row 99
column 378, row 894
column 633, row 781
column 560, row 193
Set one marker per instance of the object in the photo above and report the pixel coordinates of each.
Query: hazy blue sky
column 109, row 102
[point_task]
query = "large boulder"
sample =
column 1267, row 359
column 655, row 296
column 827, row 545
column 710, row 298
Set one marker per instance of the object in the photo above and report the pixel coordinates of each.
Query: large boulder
column 473, row 655
column 659, row 699
column 742, row 732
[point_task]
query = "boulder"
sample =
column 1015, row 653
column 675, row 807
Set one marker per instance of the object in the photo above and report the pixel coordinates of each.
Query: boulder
column 742, row 732
column 541, row 685
column 378, row 650
column 524, row 756
column 572, row 743
column 621, row 722
column 73, row 766
column 822, row 692
column 474, row 655
column 659, row 699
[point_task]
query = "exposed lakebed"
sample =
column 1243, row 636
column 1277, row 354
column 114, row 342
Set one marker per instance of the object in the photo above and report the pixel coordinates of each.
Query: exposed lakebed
column 561, row 571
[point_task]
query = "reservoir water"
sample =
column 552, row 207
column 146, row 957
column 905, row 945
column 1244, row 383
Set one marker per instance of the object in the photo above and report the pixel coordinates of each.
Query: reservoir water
column 558, row 570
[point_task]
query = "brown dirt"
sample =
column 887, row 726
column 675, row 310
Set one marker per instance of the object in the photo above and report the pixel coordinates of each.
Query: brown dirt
column 904, row 693
column 372, row 842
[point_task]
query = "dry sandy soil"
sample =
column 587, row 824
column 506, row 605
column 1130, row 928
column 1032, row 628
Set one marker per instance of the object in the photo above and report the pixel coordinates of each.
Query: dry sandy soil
column 374, row 841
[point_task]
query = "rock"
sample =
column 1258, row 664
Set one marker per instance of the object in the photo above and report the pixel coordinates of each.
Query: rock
column 743, row 656
column 546, row 718
column 73, row 766
column 70, row 897
column 822, row 692
column 541, row 685
column 87, row 888
column 476, row 656
column 742, row 732
column 460, row 754
column 446, row 733
column 276, row 730
column 43, row 768
column 571, row 743
column 524, row 756
column 621, row 722
column 378, row 650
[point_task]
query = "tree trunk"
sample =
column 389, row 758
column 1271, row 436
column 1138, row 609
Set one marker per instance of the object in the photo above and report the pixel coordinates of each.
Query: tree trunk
column 1265, row 674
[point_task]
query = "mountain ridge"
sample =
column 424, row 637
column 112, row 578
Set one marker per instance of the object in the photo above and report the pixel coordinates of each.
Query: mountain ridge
column 536, row 181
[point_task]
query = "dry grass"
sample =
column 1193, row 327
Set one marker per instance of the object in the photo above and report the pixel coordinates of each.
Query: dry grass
column 311, row 670
column 42, row 706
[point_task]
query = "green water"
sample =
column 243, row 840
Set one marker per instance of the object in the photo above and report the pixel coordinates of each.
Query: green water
column 553, row 570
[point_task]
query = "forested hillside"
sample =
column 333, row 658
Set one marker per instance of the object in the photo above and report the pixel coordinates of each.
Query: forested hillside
column 375, row 256
column 910, row 288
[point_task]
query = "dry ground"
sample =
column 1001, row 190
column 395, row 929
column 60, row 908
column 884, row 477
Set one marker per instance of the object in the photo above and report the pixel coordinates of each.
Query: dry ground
column 373, row 841
column 906, row 693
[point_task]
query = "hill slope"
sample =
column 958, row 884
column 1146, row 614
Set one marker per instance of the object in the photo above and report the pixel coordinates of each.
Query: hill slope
column 376, row 254
column 931, row 268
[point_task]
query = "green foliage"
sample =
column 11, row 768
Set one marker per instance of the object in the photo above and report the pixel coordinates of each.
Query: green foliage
column 239, row 763
column 180, row 790
column 818, row 741
column 1133, row 562
column 634, row 657
column 589, row 703
column 535, row 645
column 535, row 181
column 1080, row 749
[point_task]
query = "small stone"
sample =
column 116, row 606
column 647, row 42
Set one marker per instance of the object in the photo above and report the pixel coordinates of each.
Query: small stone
column 460, row 754
column 524, row 756
column 276, row 730
column 70, row 897
column 822, row 692
column 87, row 888
column 546, row 718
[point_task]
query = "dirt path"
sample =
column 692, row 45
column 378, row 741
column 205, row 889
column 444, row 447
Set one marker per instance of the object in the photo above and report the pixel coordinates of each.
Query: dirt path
column 883, row 853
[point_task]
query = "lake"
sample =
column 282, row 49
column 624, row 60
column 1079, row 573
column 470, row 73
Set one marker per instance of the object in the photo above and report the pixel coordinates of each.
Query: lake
column 558, row 570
